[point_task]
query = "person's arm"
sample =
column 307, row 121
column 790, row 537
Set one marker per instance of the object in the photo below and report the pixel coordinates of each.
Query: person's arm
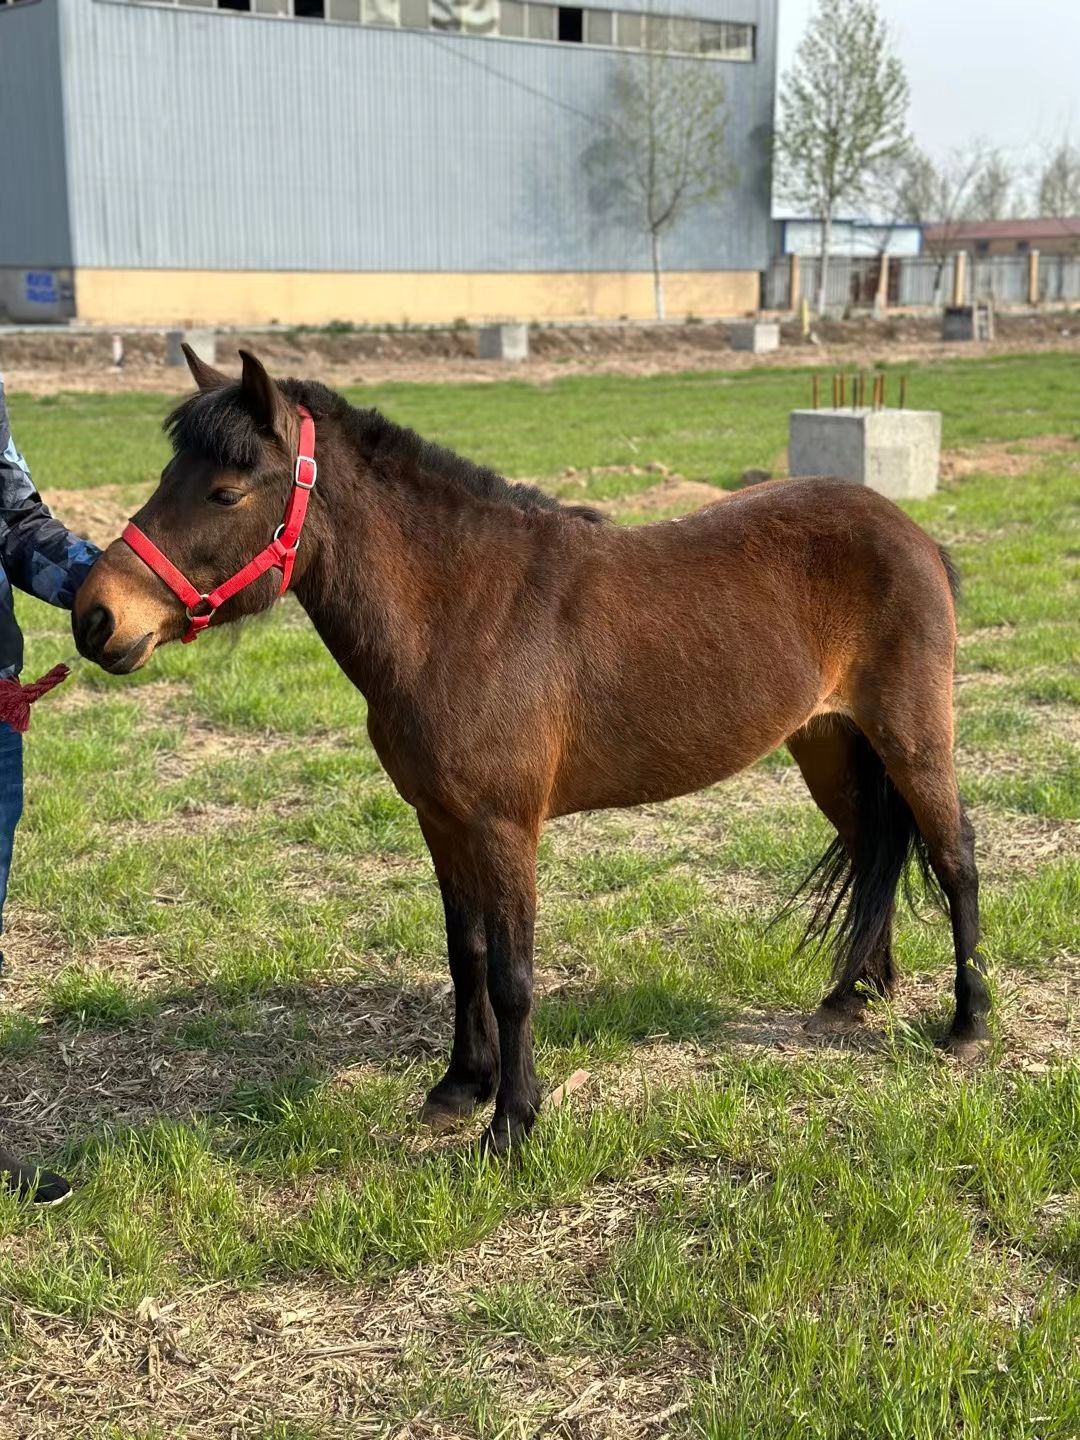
column 38, row 553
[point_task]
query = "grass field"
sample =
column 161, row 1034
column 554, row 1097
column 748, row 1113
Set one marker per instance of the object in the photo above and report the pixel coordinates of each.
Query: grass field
column 226, row 997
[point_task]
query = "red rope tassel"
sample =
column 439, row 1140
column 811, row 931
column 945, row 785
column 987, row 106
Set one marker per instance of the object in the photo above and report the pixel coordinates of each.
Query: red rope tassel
column 16, row 698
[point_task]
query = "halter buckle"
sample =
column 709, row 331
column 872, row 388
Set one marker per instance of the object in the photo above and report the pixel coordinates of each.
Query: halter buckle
column 189, row 610
column 305, row 484
column 292, row 549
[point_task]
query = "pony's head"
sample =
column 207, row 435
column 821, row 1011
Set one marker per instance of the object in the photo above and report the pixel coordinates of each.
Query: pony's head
column 217, row 504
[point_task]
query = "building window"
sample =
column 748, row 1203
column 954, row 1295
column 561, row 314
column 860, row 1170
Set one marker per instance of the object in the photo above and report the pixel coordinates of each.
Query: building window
column 517, row 20
column 628, row 31
column 512, row 19
column 599, row 29
column 571, row 24
column 541, row 22
column 982, row 247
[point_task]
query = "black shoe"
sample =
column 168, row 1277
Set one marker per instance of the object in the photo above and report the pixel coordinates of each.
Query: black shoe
column 30, row 1182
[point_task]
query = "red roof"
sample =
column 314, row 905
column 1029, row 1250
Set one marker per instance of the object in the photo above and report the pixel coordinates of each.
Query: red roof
column 1029, row 230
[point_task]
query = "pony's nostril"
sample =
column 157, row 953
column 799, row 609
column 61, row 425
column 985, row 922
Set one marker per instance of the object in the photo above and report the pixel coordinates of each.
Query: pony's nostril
column 97, row 626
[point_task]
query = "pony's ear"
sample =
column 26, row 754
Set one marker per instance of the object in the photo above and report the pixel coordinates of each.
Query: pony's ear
column 263, row 397
column 205, row 376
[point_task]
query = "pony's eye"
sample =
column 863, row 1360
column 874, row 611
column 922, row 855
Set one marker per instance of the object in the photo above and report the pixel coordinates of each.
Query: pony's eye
column 226, row 497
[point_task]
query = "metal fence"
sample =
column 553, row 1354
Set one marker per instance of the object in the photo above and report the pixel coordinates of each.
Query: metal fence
column 923, row 282
column 1059, row 279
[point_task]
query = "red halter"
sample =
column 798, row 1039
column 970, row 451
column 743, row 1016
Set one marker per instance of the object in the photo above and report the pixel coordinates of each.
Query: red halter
column 281, row 551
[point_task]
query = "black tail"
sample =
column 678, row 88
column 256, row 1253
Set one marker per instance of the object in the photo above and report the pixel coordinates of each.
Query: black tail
column 951, row 572
column 853, row 905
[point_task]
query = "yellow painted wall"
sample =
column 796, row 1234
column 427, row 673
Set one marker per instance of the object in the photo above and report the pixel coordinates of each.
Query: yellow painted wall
column 250, row 297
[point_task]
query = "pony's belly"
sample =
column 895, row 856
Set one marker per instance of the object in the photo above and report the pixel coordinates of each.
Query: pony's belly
column 620, row 782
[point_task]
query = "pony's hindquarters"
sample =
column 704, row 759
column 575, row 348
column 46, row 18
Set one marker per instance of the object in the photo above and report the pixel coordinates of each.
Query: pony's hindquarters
column 885, row 777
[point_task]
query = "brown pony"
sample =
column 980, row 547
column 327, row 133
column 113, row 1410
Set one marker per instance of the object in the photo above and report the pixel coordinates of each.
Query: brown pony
column 522, row 660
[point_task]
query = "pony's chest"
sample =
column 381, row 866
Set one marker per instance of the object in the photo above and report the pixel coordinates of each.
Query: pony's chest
column 417, row 768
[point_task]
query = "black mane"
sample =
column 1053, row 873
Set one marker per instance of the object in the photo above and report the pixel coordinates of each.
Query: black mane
column 217, row 425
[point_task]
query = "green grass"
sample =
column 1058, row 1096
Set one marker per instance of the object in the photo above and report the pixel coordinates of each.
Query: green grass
column 234, row 998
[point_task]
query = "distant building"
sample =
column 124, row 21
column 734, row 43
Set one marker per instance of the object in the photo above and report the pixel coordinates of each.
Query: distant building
column 1006, row 237
column 302, row 161
column 850, row 240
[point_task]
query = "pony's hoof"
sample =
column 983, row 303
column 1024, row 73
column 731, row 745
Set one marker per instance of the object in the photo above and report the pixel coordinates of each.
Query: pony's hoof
column 504, row 1136
column 43, row 1187
column 836, row 1019
column 449, row 1105
column 51, row 1189
column 969, row 1049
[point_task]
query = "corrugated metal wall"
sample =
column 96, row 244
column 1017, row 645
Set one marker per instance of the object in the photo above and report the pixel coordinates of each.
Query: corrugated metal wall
column 34, row 227
column 231, row 141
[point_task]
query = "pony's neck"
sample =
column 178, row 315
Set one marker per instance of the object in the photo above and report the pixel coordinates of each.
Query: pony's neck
column 391, row 558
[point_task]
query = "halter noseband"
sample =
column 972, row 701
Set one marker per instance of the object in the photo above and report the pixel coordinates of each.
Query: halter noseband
column 281, row 551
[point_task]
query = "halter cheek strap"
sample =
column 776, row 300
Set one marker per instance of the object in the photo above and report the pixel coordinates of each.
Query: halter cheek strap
column 279, row 553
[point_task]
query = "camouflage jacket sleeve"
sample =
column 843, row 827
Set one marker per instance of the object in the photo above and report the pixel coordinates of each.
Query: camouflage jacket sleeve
column 38, row 553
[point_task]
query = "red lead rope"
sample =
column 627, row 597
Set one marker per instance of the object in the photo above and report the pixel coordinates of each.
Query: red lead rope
column 16, row 699
column 280, row 553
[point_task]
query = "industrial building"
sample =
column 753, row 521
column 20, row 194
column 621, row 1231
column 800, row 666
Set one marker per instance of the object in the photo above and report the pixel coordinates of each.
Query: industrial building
column 370, row 161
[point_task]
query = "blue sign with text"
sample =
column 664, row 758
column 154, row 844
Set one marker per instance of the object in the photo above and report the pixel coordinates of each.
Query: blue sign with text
column 41, row 287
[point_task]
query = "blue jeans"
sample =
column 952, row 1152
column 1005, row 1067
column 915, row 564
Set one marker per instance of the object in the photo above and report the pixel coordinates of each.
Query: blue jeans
column 11, row 802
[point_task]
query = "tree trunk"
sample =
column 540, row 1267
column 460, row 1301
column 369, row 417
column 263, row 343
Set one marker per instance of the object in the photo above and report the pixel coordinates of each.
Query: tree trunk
column 658, row 276
column 826, row 246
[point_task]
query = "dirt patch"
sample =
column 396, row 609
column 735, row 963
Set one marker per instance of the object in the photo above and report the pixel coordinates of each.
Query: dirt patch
column 1014, row 844
column 1008, row 459
column 100, row 514
column 81, row 360
column 673, row 495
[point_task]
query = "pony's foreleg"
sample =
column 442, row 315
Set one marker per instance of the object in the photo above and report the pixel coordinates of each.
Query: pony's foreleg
column 504, row 855
column 473, row 1072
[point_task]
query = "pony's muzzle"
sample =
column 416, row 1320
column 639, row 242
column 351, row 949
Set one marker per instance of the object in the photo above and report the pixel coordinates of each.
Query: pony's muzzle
column 92, row 631
column 121, row 612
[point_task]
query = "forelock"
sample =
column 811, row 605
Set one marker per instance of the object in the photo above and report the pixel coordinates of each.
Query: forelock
column 217, row 426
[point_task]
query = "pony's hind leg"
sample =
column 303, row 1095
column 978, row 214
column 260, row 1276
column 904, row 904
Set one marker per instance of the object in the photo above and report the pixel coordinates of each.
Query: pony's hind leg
column 925, row 776
column 839, row 767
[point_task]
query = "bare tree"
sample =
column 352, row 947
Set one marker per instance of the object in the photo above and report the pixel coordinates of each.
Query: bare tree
column 940, row 198
column 662, row 152
column 994, row 195
column 843, row 115
column 1059, row 183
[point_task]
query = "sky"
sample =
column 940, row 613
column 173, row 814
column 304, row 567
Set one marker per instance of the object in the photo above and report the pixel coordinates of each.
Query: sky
column 1003, row 70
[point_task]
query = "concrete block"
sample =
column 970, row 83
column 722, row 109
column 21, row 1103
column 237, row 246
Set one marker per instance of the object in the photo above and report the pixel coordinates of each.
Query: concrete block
column 760, row 337
column 896, row 452
column 967, row 322
column 504, row 342
column 203, row 342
